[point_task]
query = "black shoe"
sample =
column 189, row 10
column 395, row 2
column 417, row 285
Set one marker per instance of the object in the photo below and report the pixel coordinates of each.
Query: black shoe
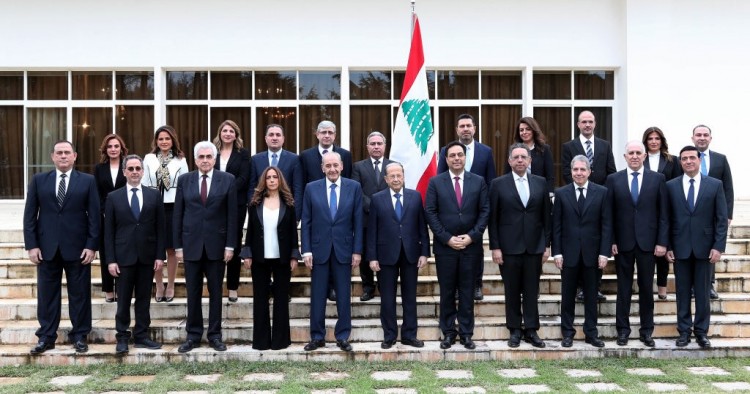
column 622, row 339
column 683, row 340
column 534, row 340
column 514, row 340
column 478, row 296
column 567, row 342
column 647, row 340
column 217, row 344
column 332, row 295
column 413, row 342
column 232, row 299
column 468, row 343
column 595, row 341
column 344, row 345
column 122, row 346
column 367, row 296
column 188, row 346
column 579, row 295
column 314, row 344
column 42, row 347
column 387, row 344
column 80, row 346
column 147, row 343
column 713, row 294
column 447, row 342
column 600, row 297
column 703, row 341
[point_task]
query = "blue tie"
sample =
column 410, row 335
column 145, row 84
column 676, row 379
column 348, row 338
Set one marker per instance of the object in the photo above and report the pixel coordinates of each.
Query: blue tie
column 704, row 170
column 399, row 207
column 135, row 205
column 589, row 153
column 332, row 201
column 691, row 196
column 634, row 188
column 275, row 160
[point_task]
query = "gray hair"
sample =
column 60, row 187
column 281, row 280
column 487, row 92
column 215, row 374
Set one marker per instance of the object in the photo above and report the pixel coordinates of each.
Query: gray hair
column 636, row 142
column 324, row 124
column 582, row 159
column 393, row 164
column 131, row 157
column 518, row 145
column 376, row 134
column 332, row 153
column 204, row 145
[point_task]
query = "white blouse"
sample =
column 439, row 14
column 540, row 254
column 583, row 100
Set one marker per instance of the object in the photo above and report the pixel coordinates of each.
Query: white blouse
column 176, row 168
column 270, row 234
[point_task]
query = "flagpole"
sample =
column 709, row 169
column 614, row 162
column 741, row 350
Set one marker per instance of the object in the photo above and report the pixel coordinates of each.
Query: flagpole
column 413, row 13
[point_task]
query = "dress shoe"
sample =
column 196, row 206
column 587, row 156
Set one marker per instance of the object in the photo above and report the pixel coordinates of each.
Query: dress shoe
column 413, row 342
column 42, row 347
column 600, row 297
column 622, row 339
column 468, row 343
column 80, row 346
column 188, row 346
column 683, row 340
column 121, row 347
column 662, row 297
column 367, row 296
column 344, row 345
column 109, row 299
column 168, row 298
column 147, row 343
column 387, row 344
column 515, row 339
column 447, row 342
column 713, row 294
column 232, row 296
column 703, row 341
column 217, row 344
column 579, row 295
column 595, row 341
column 534, row 340
column 159, row 297
column 478, row 296
column 332, row 295
column 567, row 342
column 314, row 344
column 647, row 340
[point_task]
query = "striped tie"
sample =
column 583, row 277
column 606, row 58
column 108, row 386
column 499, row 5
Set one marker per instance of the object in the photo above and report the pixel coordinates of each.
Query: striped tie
column 589, row 153
column 61, row 190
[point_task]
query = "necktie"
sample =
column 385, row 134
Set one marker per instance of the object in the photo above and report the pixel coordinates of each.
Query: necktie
column 325, row 151
column 522, row 192
column 581, row 200
column 332, row 201
column 275, row 160
column 204, row 190
column 691, row 196
column 589, row 153
column 704, row 170
column 377, row 171
column 634, row 188
column 399, row 207
column 469, row 159
column 61, row 190
column 457, row 187
column 135, row 204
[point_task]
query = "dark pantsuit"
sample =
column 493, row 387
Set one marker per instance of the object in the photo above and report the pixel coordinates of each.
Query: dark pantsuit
column 264, row 337
column 521, row 275
column 662, row 271
column 194, row 273
column 235, row 264
column 625, row 262
column 341, row 274
column 693, row 273
column 388, row 281
column 456, row 271
column 134, row 279
column 570, row 276
column 365, row 273
column 49, row 279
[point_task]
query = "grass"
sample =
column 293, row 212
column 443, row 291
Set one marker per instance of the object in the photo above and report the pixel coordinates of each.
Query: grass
column 170, row 377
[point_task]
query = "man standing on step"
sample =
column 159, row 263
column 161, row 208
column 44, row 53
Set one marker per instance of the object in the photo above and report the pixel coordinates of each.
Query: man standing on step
column 134, row 227
column 638, row 197
column 61, row 231
column 698, row 215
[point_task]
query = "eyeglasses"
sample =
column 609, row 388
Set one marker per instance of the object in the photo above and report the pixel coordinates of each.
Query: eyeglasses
column 133, row 169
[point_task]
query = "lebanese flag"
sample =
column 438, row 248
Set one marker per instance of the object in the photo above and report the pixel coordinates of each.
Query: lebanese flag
column 414, row 143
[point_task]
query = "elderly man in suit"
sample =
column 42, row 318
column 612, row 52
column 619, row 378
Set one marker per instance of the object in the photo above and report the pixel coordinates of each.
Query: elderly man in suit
column 369, row 173
column 581, row 230
column 519, row 227
column 698, row 216
column 479, row 161
column 134, row 227
column 715, row 165
column 398, row 245
column 638, row 198
column 457, row 210
column 331, row 242
column 61, row 233
column 205, row 235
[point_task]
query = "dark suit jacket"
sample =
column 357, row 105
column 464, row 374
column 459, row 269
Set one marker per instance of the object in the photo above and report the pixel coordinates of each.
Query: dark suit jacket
column 516, row 229
column 446, row 219
column 364, row 173
column 706, row 227
column 670, row 169
column 310, row 160
column 483, row 164
column 212, row 227
column 239, row 166
column 390, row 235
column 542, row 164
column 720, row 170
column 290, row 168
column 286, row 230
column 320, row 233
column 645, row 224
column 128, row 240
column 71, row 228
column 104, row 181
column 587, row 233
column 604, row 161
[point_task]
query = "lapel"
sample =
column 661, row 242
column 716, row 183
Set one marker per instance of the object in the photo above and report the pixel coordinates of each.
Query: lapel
column 573, row 196
column 232, row 158
column 72, row 182
column 448, row 180
column 579, row 147
column 662, row 164
column 590, row 194
column 701, row 193
column 511, row 185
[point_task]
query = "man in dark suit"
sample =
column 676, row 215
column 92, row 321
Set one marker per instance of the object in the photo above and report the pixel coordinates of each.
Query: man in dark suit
column 581, row 230
column 638, row 198
column 480, row 161
column 286, row 161
column 331, row 241
column 698, row 216
column 369, row 173
column 601, row 162
column 205, row 235
column 457, row 210
column 61, row 233
column 519, row 227
column 398, row 245
column 134, row 227
column 715, row 165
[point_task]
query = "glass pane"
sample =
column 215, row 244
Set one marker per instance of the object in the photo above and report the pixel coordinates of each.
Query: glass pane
column 603, row 117
column 458, row 85
column 11, row 85
column 48, row 85
column 190, row 122
column 135, row 85
column 319, row 85
column 92, row 86
column 46, row 126
column 241, row 116
column 501, row 85
column 552, row 85
column 90, row 125
column 284, row 116
column 447, row 122
column 187, row 85
column 231, row 85
column 364, row 120
column 556, row 124
column 11, row 158
column 310, row 116
column 275, row 85
column 135, row 124
column 370, row 85
column 595, row 85
column 498, row 122
column 398, row 83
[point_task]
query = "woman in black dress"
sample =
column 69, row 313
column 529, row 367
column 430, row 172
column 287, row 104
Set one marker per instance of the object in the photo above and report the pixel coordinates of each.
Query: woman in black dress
column 529, row 133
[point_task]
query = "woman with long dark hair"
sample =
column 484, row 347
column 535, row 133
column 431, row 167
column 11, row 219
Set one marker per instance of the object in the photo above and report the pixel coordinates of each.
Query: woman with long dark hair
column 529, row 133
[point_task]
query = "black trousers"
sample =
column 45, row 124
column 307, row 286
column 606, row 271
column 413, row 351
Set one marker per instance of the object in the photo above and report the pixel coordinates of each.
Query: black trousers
column 570, row 278
column 456, row 271
column 213, row 270
column 388, row 282
column 662, row 271
column 265, row 337
column 49, row 298
column 108, row 281
column 625, row 263
column 134, row 280
column 521, row 275
column 696, row 274
column 234, row 266
column 365, row 273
